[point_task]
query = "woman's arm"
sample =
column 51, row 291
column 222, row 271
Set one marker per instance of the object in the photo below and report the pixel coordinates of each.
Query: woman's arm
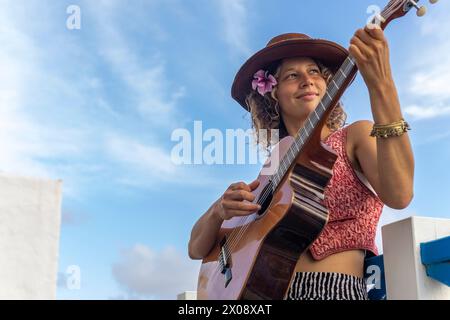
column 388, row 163
column 204, row 233
column 232, row 203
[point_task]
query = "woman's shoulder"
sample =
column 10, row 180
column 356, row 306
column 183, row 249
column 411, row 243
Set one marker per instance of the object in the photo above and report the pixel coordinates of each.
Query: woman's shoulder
column 353, row 133
column 354, row 129
column 358, row 134
column 358, row 130
column 360, row 125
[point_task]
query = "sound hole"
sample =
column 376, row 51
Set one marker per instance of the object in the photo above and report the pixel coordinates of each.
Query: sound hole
column 265, row 198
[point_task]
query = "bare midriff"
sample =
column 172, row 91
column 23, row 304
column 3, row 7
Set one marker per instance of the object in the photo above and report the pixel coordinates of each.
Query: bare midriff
column 348, row 262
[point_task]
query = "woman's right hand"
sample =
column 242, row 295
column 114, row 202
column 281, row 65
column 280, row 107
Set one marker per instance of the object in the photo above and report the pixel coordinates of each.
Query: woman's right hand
column 233, row 202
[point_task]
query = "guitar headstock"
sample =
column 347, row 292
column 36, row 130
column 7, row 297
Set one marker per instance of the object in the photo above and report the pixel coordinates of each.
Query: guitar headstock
column 397, row 9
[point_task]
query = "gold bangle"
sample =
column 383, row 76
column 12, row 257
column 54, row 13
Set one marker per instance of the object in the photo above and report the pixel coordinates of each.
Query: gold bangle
column 393, row 129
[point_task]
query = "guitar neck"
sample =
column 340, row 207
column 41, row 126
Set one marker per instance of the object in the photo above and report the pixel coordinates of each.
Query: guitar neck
column 315, row 120
column 335, row 89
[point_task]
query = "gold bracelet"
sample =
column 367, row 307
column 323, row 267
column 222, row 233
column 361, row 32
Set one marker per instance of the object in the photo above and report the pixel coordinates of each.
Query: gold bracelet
column 394, row 129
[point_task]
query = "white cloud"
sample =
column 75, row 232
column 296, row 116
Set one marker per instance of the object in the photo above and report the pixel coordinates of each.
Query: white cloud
column 432, row 83
column 41, row 81
column 153, row 96
column 15, row 129
column 234, row 14
column 147, row 165
column 429, row 67
column 145, row 273
column 427, row 112
column 145, row 158
column 433, row 25
column 22, row 139
column 433, row 138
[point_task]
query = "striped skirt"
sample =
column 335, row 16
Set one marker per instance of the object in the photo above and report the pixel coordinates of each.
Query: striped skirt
column 327, row 286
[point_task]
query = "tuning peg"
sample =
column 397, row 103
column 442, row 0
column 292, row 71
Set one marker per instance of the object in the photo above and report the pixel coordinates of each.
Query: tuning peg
column 420, row 10
column 433, row 1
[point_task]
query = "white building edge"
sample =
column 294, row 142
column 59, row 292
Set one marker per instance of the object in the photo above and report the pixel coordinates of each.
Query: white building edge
column 30, row 217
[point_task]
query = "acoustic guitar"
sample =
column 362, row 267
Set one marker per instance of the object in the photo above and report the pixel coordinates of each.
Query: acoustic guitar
column 255, row 256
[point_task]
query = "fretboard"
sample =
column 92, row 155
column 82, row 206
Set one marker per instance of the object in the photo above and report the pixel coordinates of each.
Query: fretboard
column 346, row 71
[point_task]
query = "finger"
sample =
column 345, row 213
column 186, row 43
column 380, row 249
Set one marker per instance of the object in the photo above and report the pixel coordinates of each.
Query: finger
column 356, row 53
column 375, row 32
column 240, row 195
column 240, row 205
column 364, row 50
column 364, row 36
column 254, row 184
column 240, row 185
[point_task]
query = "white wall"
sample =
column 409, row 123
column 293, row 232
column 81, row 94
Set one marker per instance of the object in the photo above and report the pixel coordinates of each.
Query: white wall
column 187, row 295
column 30, row 216
column 405, row 274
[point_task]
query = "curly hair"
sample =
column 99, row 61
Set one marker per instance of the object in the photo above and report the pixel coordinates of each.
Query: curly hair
column 265, row 113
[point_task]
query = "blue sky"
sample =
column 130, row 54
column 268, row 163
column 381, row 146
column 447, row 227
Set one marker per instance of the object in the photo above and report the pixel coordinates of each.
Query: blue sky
column 96, row 107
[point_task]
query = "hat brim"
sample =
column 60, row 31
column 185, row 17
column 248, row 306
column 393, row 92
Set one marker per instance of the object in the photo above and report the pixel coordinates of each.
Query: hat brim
column 329, row 53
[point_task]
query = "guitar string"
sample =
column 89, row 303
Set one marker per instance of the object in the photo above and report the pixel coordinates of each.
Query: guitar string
column 268, row 190
column 388, row 12
column 235, row 238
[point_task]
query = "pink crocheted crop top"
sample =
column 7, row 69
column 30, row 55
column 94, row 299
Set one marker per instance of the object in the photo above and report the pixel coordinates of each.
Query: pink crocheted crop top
column 354, row 209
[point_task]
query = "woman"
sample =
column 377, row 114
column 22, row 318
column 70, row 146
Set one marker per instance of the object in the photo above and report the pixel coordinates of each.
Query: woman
column 375, row 164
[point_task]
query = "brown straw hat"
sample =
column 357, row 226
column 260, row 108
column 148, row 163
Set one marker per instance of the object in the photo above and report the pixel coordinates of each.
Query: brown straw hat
column 287, row 45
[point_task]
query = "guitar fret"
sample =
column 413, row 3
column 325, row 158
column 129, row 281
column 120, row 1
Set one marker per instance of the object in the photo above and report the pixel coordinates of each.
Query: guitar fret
column 332, row 91
column 314, row 118
column 297, row 149
column 316, row 109
column 337, row 87
column 351, row 64
column 299, row 145
column 306, row 132
column 347, row 70
column 290, row 152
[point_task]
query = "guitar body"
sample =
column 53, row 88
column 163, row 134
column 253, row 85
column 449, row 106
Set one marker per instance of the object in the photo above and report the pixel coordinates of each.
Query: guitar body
column 255, row 256
column 258, row 258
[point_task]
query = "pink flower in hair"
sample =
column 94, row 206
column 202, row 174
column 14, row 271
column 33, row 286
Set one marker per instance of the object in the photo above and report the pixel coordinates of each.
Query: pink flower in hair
column 263, row 82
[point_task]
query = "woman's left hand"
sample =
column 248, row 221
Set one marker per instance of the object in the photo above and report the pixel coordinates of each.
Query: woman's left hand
column 370, row 49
